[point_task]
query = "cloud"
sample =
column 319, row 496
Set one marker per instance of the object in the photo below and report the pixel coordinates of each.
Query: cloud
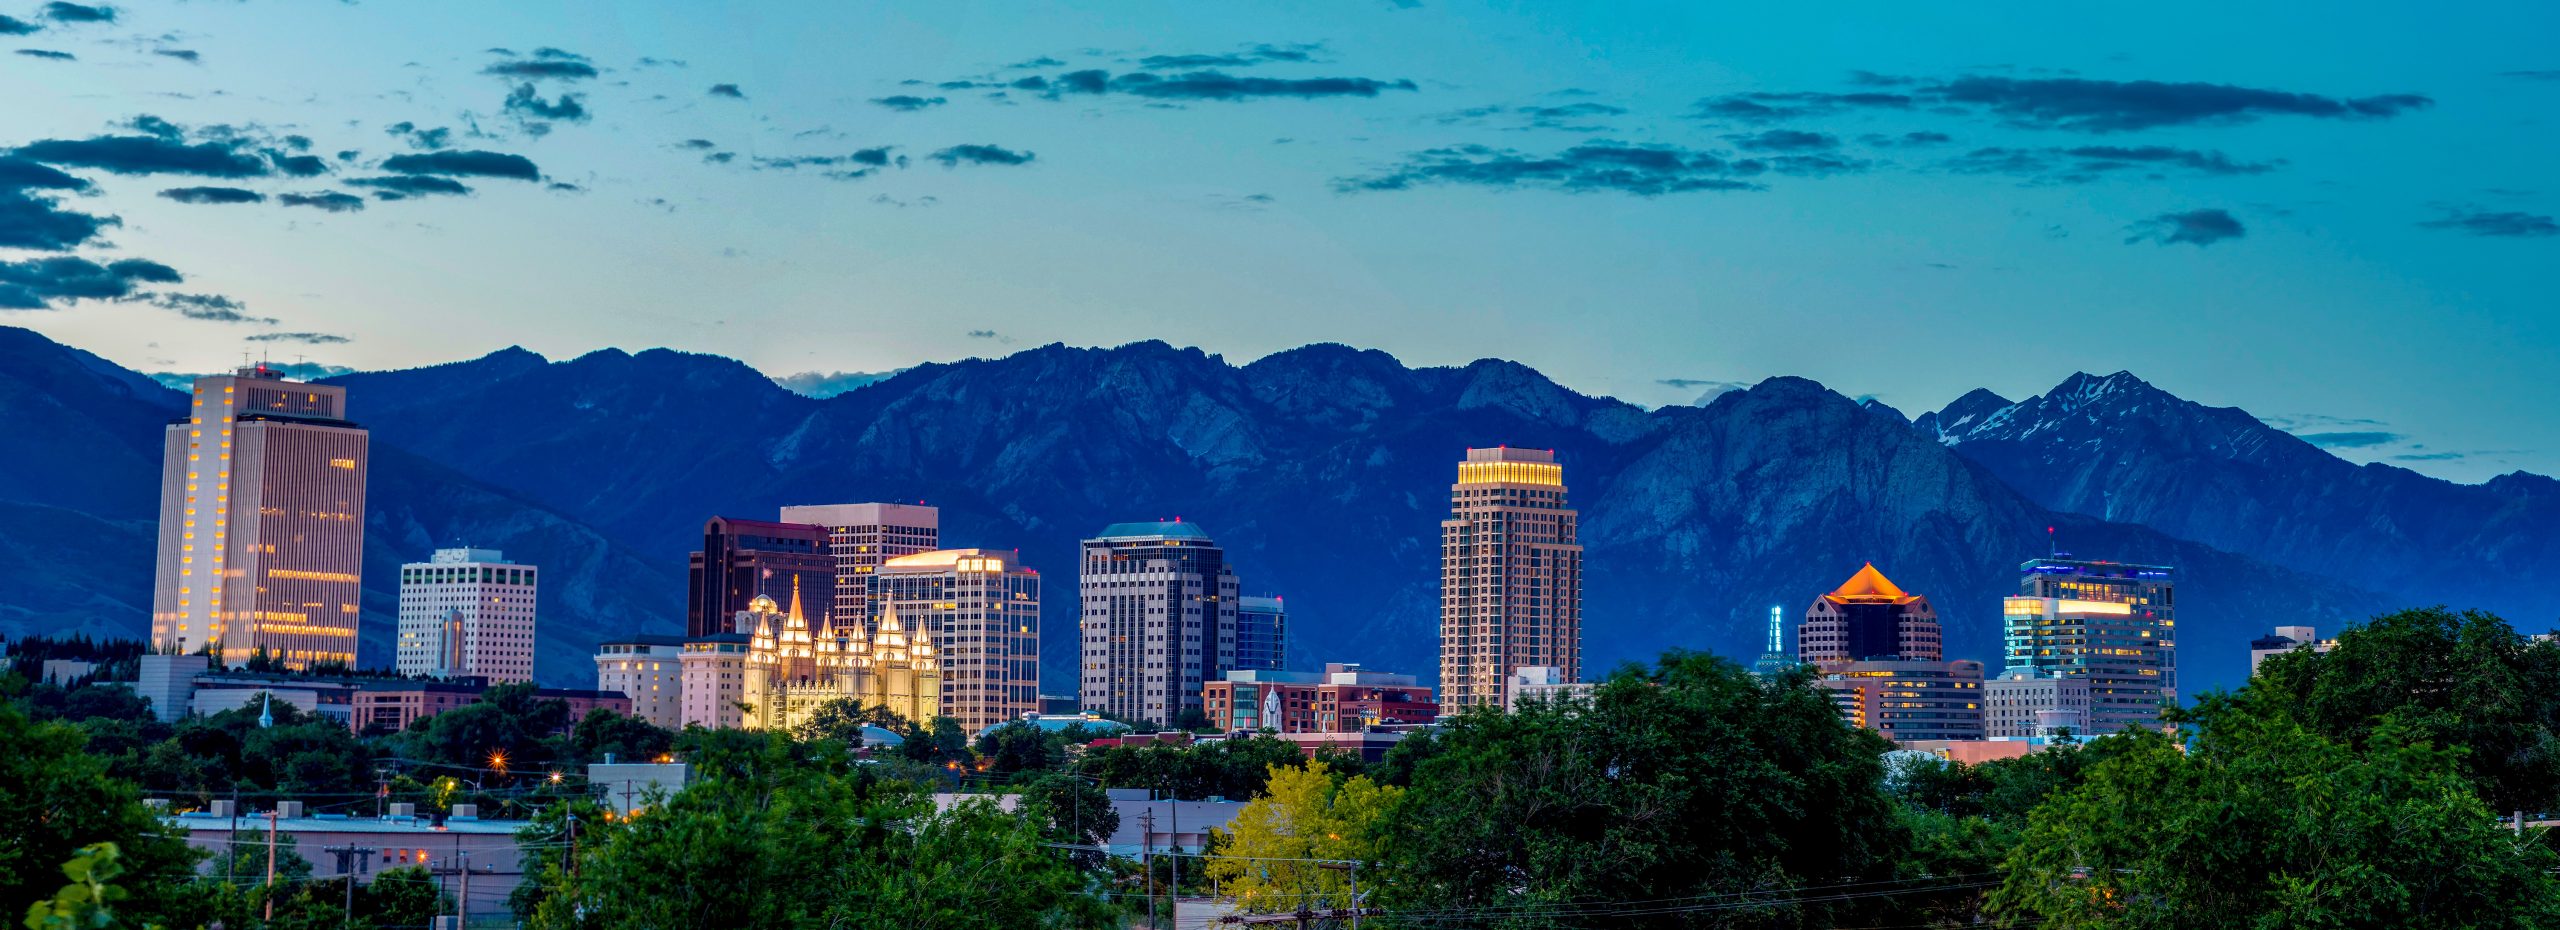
column 730, row 91
column 208, row 307
column 1570, row 117
column 1766, row 106
column 403, row 186
column 860, row 164
column 909, row 103
column 1709, row 389
column 1250, row 57
column 13, row 26
column 2548, row 74
column 2069, row 103
column 61, row 12
column 2195, row 227
column 2430, row 456
column 36, row 284
column 465, row 163
column 1785, row 140
column 991, row 336
column 2503, row 223
column 1642, row 170
column 649, row 62
column 20, row 173
column 296, row 371
column 314, row 339
column 1043, row 61
column 213, row 195
column 699, row 145
column 823, row 385
column 300, row 166
column 188, row 55
column 31, row 221
column 2352, row 439
column 980, row 155
column 524, row 103
column 545, row 63
column 48, row 54
column 2082, row 164
column 1213, row 85
column 148, row 154
column 425, row 140
column 331, row 201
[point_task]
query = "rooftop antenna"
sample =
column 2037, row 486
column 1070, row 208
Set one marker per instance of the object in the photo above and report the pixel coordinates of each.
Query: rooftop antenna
column 2053, row 549
column 1777, row 644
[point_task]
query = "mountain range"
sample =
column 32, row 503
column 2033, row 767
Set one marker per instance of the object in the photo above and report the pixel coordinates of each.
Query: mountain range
column 1324, row 471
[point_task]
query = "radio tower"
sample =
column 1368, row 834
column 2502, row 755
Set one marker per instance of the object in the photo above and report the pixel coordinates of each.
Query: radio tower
column 1775, row 660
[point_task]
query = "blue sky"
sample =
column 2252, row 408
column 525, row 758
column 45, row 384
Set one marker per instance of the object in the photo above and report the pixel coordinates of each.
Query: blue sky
column 2342, row 220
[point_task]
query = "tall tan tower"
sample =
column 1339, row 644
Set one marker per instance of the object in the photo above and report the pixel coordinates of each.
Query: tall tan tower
column 261, row 523
column 1510, row 576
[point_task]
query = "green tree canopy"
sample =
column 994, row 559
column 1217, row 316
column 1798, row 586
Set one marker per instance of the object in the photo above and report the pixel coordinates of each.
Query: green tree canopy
column 56, row 800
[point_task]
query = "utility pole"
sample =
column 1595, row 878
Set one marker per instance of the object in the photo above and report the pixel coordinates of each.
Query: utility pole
column 271, row 865
column 347, row 871
column 1173, row 844
column 1147, row 857
column 462, row 899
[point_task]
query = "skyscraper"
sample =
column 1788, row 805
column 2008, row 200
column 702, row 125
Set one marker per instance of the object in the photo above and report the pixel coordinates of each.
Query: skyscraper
column 1868, row 617
column 1262, row 633
column 1510, row 576
column 2143, row 635
column 742, row 559
column 981, row 609
column 467, row 612
column 1158, row 619
column 861, row 536
column 261, row 523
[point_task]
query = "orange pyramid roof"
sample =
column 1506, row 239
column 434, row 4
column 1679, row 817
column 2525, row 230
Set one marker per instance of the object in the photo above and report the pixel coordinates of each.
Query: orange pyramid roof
column 1869, row 586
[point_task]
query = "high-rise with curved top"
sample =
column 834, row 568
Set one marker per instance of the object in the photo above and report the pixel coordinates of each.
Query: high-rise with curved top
column 1510, row 575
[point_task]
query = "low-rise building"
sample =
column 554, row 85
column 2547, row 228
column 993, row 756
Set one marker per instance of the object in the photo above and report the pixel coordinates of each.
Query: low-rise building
column 650, row 671
column 715, row 680
column 1343, row 698
column 362, row 846
column 1908, row 699
column 1541, row 683
column 394, row 705
column 2026, row 703
column 2286, row 639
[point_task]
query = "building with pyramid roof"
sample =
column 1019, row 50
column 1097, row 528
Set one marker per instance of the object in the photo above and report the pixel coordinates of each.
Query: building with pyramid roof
column 1877, row 649
column 1869, row 617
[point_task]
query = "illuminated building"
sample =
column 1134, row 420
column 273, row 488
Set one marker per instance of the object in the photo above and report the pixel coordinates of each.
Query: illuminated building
column 261, row 523
column 1868, row 618
column 858, row 538
column 1158, row 619
column 1344, row 698
column 1908, row 699
column 467, row 612
column 2151, row 591
column 2116, row 650
column 982, row 610
column 793, row 669
column 2286, row 639
column 1262, row 633
column 714, row 669
column 2024, row 703
column 741, row 560
column 650, row 671
column 1510, row 576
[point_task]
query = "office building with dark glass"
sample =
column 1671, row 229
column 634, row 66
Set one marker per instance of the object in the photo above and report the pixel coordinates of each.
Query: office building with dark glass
column 2113, row 624
column 1158, row 620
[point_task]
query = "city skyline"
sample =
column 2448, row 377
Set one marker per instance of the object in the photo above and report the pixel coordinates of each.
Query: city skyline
column 1802, row 194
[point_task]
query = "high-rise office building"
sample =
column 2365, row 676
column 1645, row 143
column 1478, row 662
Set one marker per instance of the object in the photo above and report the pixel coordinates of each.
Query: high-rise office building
column 1158, row 619
column 859, row 538
column 981, row 609
column 650, row 671
column 1262, row 633
column 1510, row 576
column 1869, row 618
column 741, row 560
column 2150, row 590
column 467, row 612
column 261, row 523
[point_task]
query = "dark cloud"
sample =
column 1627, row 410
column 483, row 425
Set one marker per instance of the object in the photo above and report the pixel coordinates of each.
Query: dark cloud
column 2194, row 227
column 730, row 91
column 403, row 186
column 48, row 54
column 61, row 12
column 565, row 187
column 980, row 155
column 2112, row 106
column 188, row 55
column 1914, row 139
column 31, row 221
column 2086, row 163
column 425, row 140
column 909, row 103
column 1570, row 117
column 2505, row 223
column 36, row 284
column 2430, row 456
column 1213, row 85
column 300, row 166
column 213, row 195
column 1767, row 107
column 1043, row 61
column 465, row 163
column 1245, row 59
column 331, row 201
column 647, row 62
column 524, row 103
column 699, row 145
column 2354, row 439
column 2107, row 157
column 2552, row 74
column 314, row 339
column 159, row 153
column 1084, row 82
column 13, row 26
column 20, row 174
column 1642, row 170
column 860, row 164
column 208, row 307
column 544, row 64
column 1785, row 140
column 990, row 335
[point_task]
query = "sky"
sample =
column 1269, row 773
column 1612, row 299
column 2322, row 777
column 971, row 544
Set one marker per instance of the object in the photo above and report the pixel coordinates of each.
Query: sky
column 2342, row 222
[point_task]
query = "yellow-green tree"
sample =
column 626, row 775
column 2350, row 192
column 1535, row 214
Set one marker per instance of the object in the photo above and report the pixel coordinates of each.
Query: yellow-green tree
column 1291, row 847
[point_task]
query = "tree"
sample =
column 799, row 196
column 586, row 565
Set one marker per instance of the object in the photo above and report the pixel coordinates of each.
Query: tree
column 1021, row 746
column 56, row 800
column 941, row 742
column 1692, row 780
column 1308, row 814
column 84, row 904
column 2262, row 822
column 1079, row 811
column 842, row 720
column 1230, row 768
column 401, row 897
column 2462, row 679
column 604, row 733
